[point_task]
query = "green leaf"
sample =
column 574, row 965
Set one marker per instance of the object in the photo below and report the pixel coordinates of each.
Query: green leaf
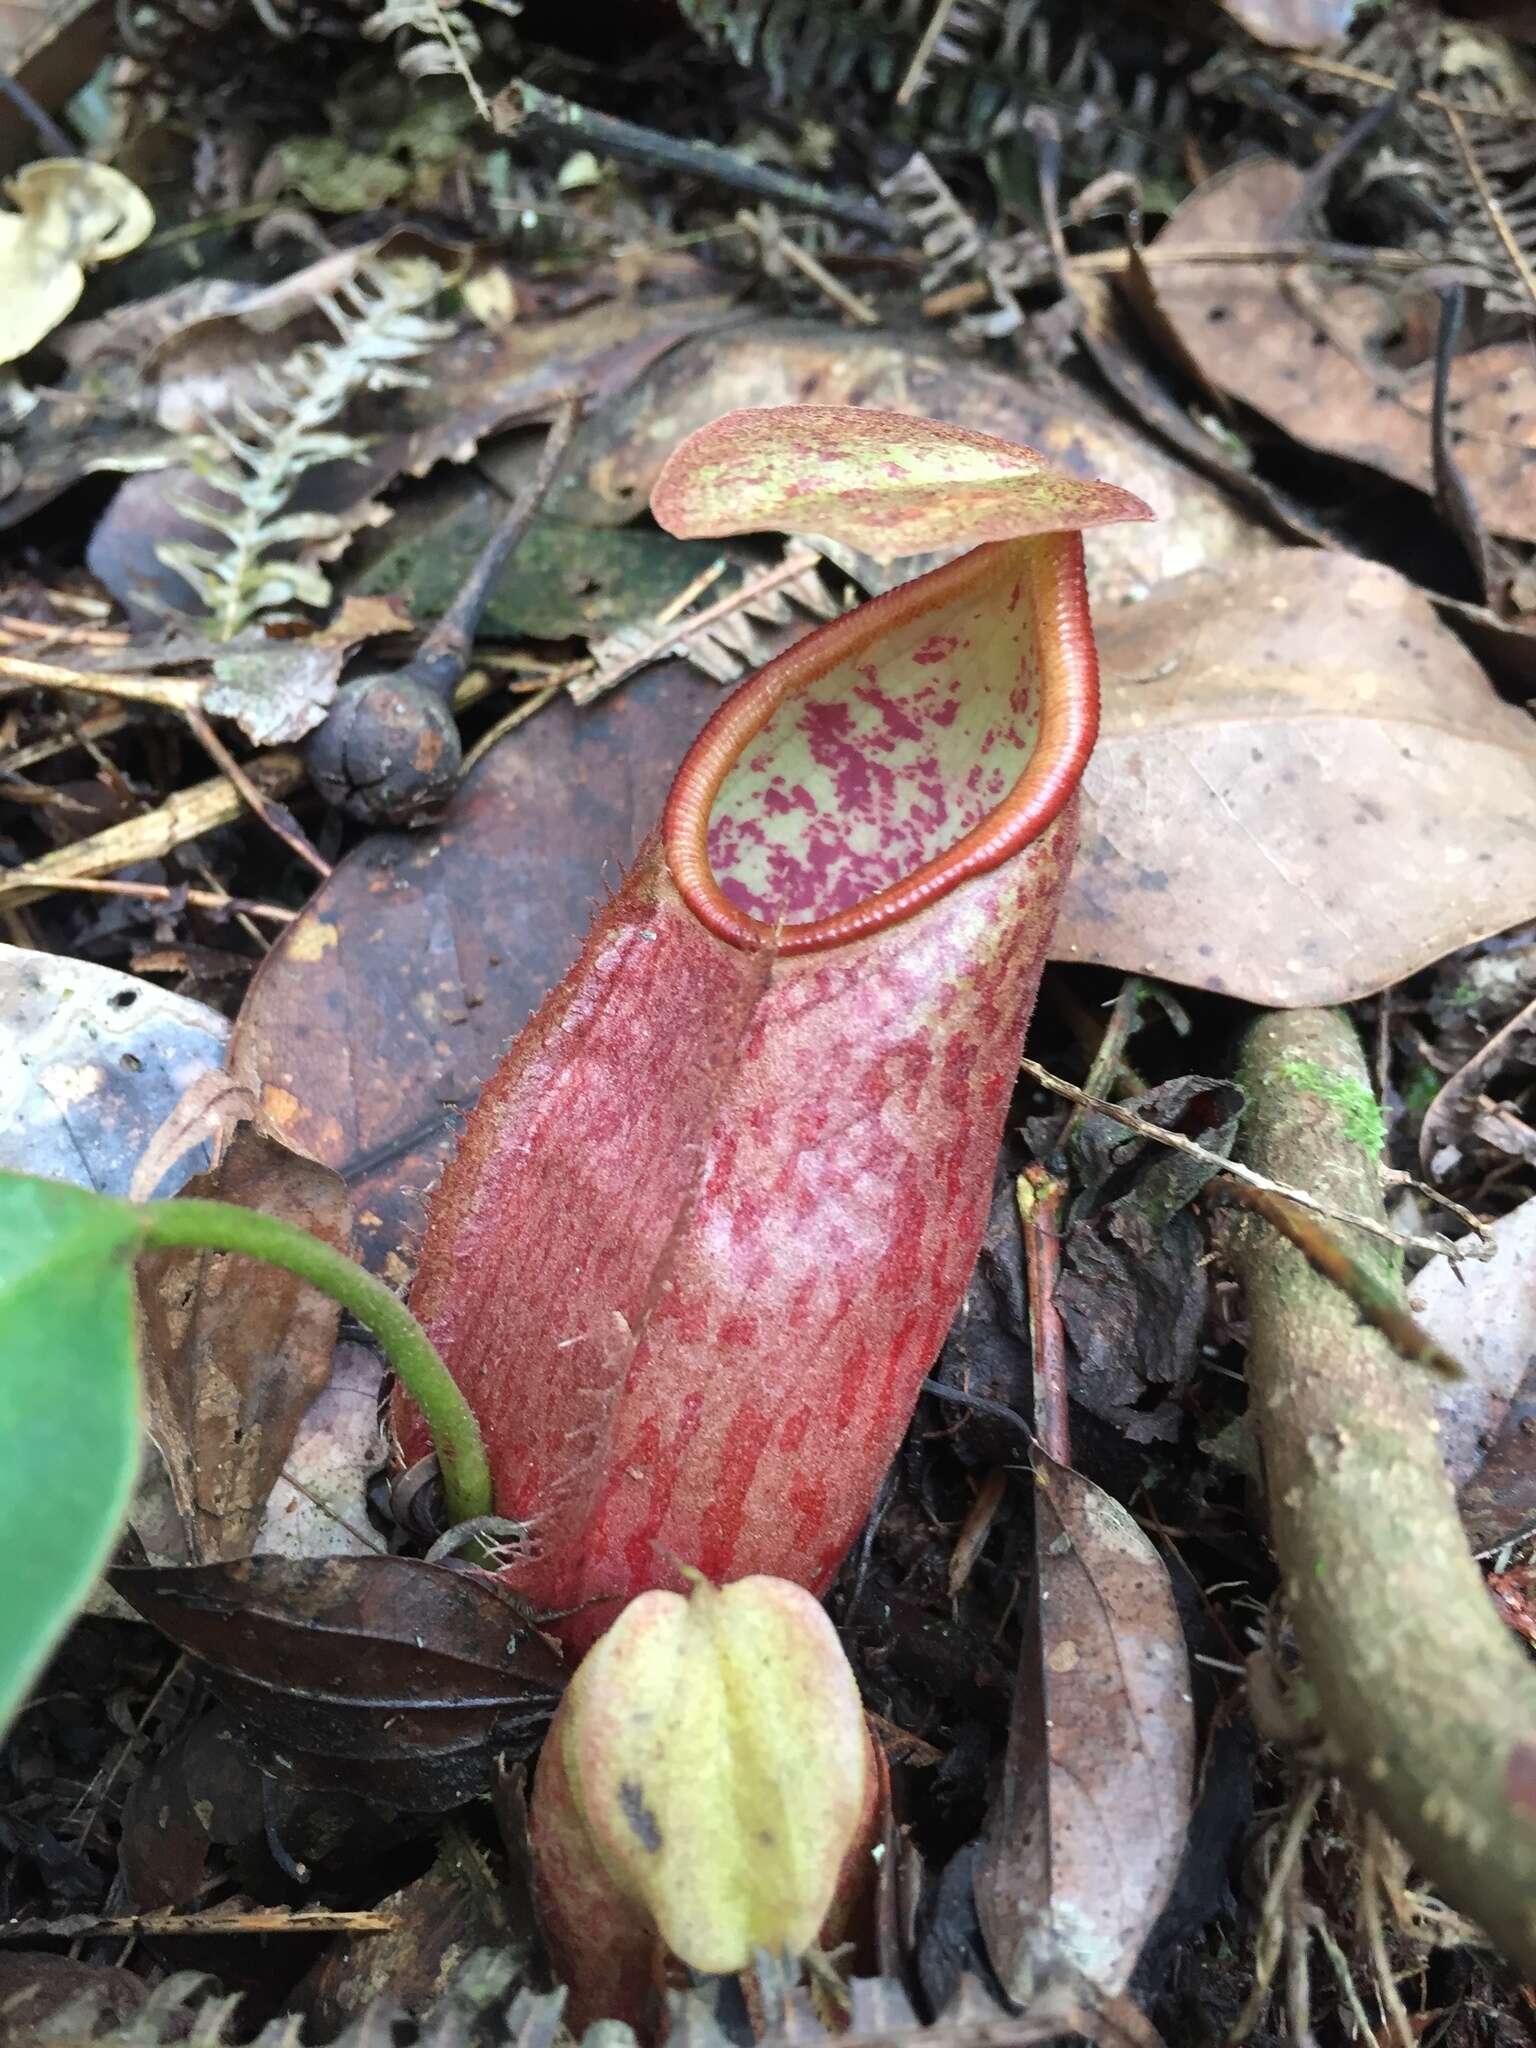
column 69, row 1409
column 881, row 481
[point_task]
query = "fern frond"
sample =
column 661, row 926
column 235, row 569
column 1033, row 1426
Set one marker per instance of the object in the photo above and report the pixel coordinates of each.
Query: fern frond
column 989, row 64
column 254, row 458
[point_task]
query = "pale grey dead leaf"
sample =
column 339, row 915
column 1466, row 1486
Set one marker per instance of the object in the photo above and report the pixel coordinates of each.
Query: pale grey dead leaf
column 91, row 1063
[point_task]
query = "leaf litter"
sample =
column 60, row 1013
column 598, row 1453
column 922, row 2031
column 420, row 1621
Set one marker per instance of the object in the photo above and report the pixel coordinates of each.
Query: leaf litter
column 1307, row 791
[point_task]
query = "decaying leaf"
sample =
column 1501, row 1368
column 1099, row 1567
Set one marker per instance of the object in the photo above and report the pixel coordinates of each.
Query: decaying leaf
column 855, row 475
column 373, row 1021
column 1484, row 1313
column 1082, row 1846
column 1304, row 787
column 233, row 1351
column 91, row 1064
column 388, row 1676
column 1309, row 349
column 1132, row 1291
column 70, row 214
column 277, row 689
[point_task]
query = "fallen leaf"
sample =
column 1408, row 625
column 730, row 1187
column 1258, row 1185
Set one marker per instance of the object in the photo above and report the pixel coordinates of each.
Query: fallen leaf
column 1484, row 1313
column 387, row 1676
column 319, row 1504
column 618, row 454
column 234, row 1352
column 456, row 1908
column 562, row 580
column 1293, row 24
column 276, row 690
column 888, row 488
column 70, row 215
column 1133, row 1289
column 1082, row 1846
column 35, row 1990
column 373, row 1021
column 1309, row 350
column 1452, row 1118
column 1283, row 747
column 92, row 1062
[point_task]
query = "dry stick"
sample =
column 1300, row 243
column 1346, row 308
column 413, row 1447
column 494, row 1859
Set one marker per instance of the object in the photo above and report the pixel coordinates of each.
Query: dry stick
column 1427, row 1703
column 159, row 892
column 276, row 817
column 1491, row 206
column 524, row 104
column 1039, row 1197
column 185, row 816
column 917, row 70
column 258, row 1920
column 181, row 694
column 959, row 298
column 773, row 241
column 795, row 564
column 1374, row 1226
column 1379, row 1302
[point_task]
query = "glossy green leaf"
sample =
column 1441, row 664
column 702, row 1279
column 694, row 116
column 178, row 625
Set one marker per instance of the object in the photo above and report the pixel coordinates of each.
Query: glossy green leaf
column 884, row 482
column 69, row 1412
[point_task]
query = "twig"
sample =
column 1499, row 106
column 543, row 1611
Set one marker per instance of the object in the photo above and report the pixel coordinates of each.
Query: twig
column 959, row 298
column 1039, row 1197
column 153, row 892
column 185, row 816
column 276, row 817
column 917, row 69
column 1491, row 206
column 52, row 137
column 77, row 636
column 183, row 695
column 1108, row 1060
column 975, row 1529
column 796, row 563
column 256, row 1920
column 772, row 241
column 522, row 103
column 168, row 693
column 1234, row 1170
column 1379, row 1304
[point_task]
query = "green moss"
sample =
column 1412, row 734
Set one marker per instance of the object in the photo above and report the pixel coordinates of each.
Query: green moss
column 1361, row 1112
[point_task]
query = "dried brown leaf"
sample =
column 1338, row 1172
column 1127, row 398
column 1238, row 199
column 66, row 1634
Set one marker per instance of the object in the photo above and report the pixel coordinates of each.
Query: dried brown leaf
column 233, row 1351
column 1082, row 1847
column 1309, row 350
column 1304, row 787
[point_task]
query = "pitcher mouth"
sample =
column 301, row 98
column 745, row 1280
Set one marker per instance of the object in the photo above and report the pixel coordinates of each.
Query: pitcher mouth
column 1027, row 595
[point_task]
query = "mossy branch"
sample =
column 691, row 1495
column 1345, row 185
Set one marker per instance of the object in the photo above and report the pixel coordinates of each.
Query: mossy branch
column 1428, row 1703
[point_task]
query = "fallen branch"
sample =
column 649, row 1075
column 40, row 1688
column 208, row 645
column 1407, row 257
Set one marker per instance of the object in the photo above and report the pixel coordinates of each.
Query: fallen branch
column 1427, row 1703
